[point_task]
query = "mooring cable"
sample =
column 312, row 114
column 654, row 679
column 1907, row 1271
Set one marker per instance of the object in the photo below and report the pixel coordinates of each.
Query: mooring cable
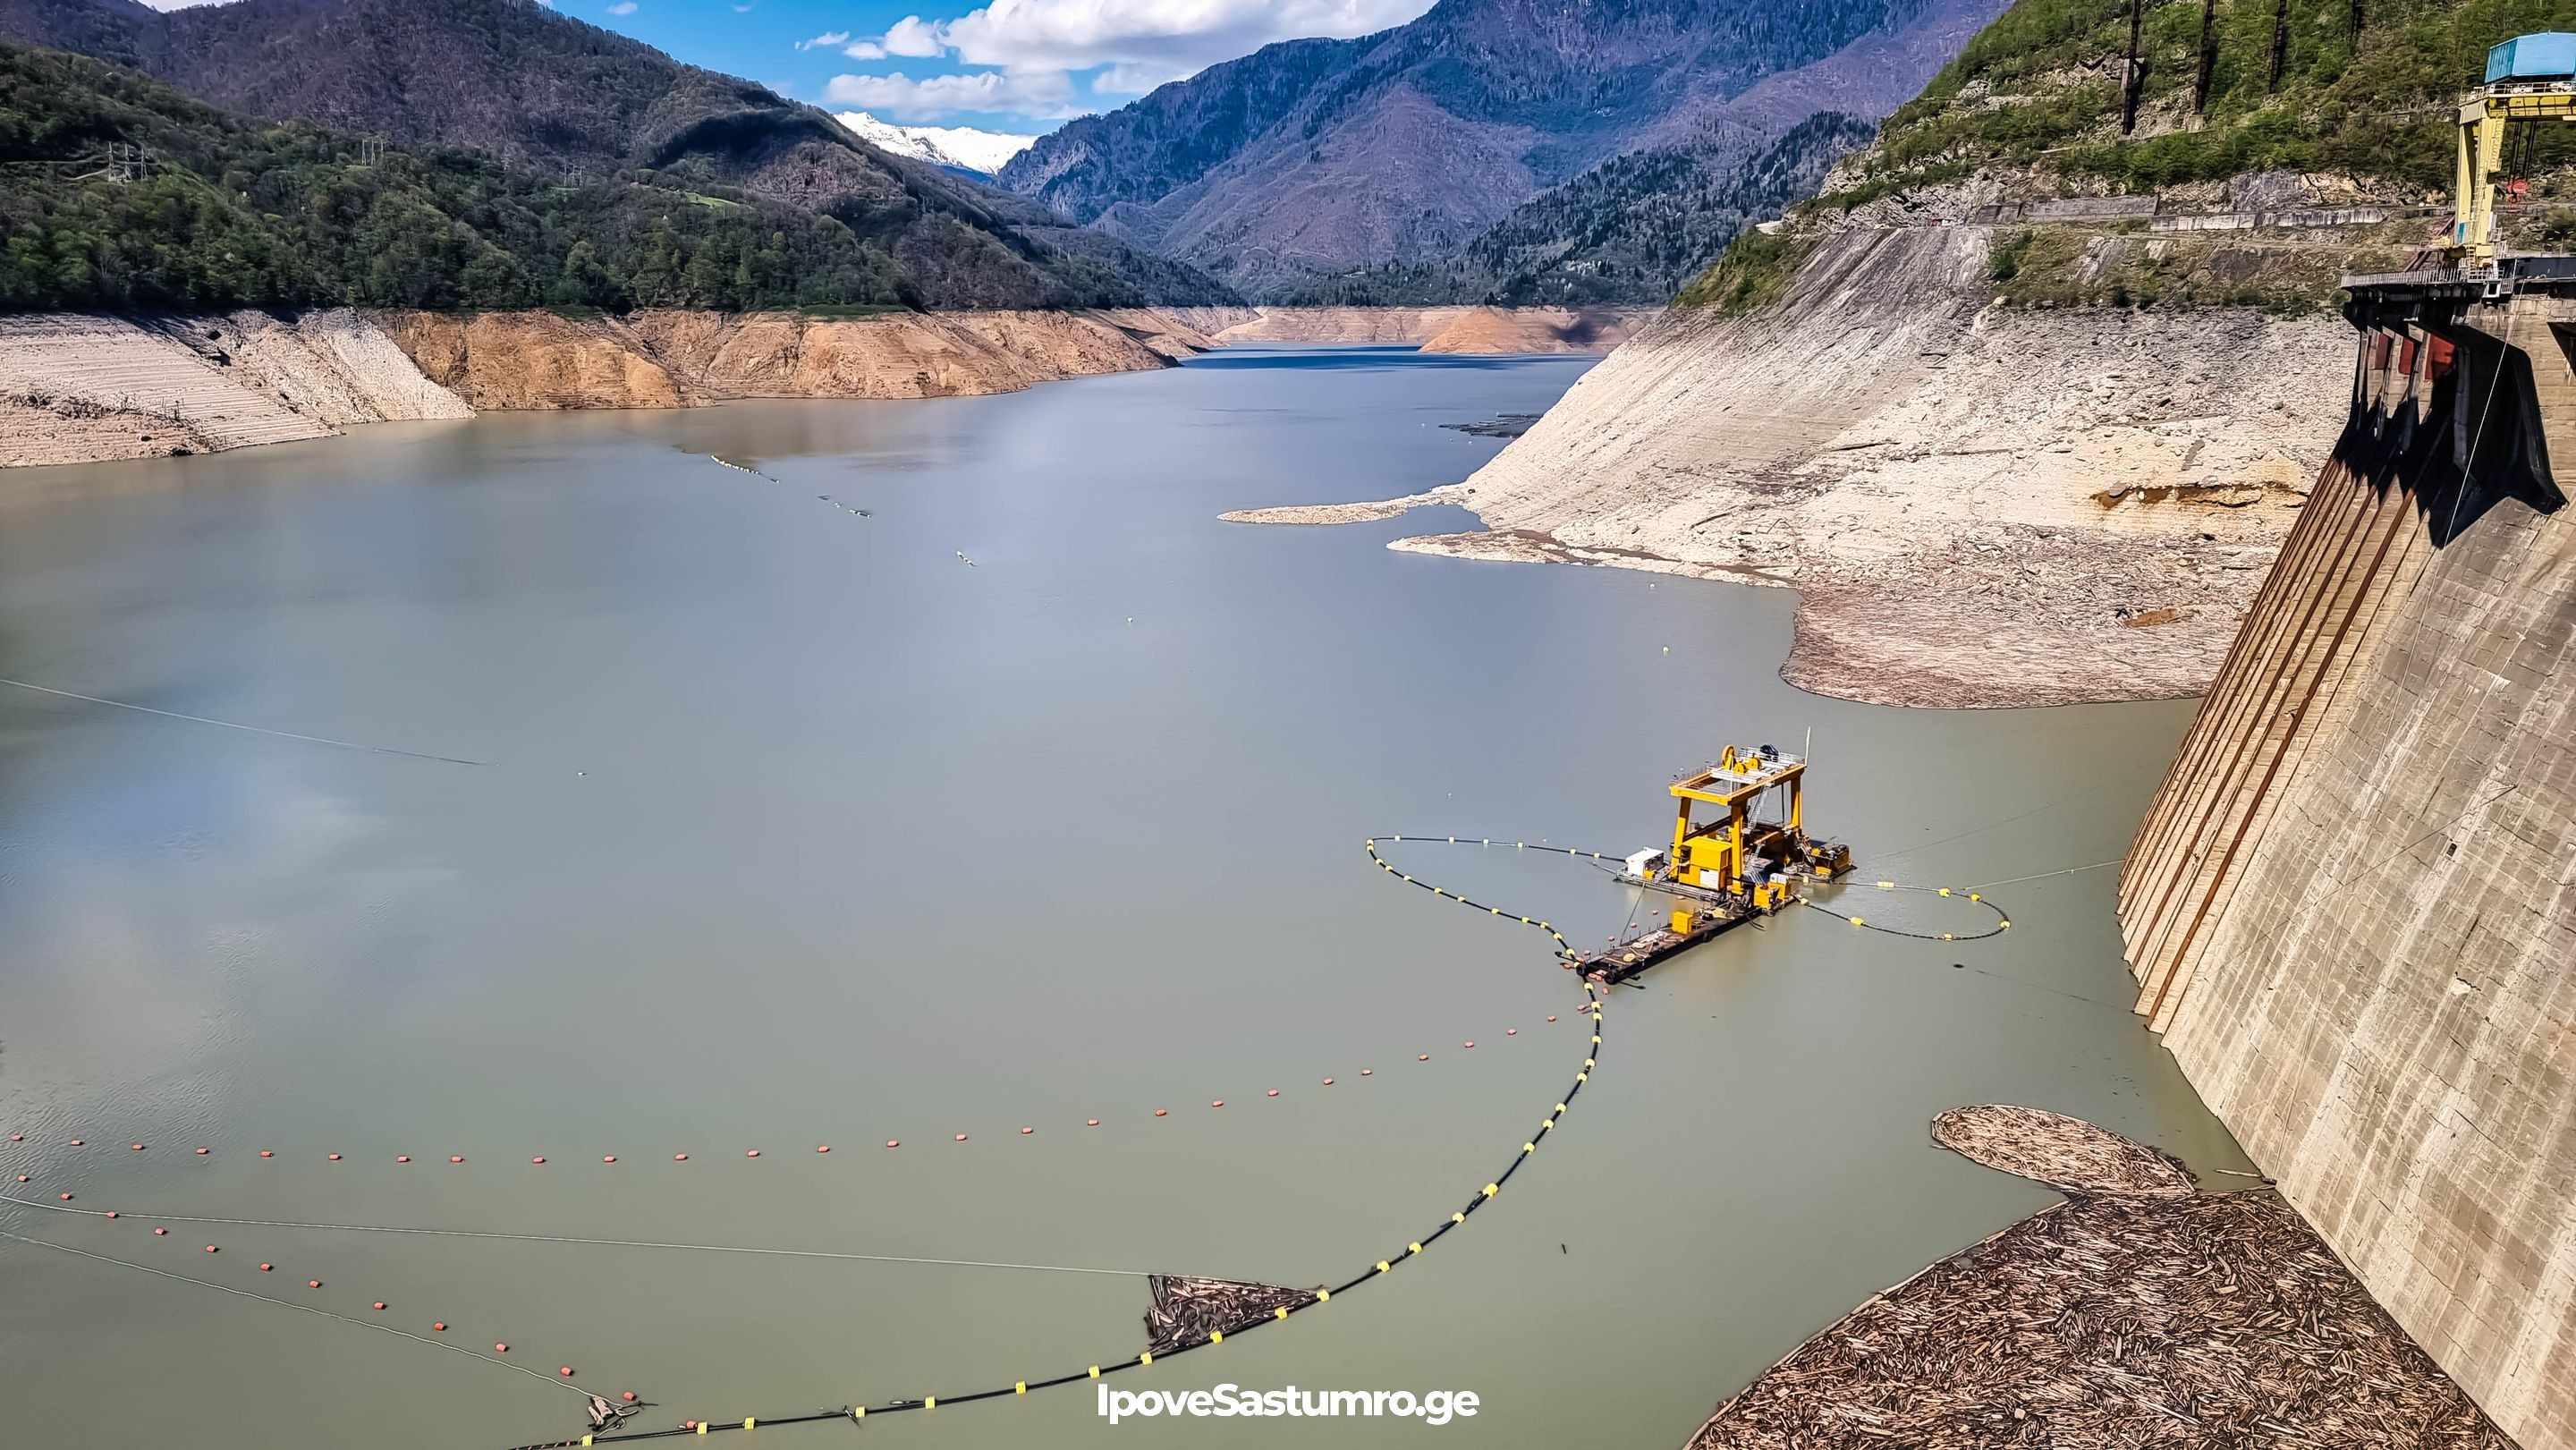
column 461, row 1233
column 237, row 725
column 1321, row 1296
column 290, row 1304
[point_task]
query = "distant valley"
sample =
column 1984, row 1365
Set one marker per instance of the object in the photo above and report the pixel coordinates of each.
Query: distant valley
column 1640, row 133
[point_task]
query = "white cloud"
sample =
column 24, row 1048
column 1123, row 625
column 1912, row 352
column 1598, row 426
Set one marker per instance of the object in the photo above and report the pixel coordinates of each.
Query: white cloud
column 828, row 37
column 1042, row 94
column 864, row 50
column 622, row 7
column 1180, row 36
column 913, row 36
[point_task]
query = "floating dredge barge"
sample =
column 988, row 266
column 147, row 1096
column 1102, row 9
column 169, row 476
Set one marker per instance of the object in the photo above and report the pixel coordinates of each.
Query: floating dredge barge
column 1729, row 868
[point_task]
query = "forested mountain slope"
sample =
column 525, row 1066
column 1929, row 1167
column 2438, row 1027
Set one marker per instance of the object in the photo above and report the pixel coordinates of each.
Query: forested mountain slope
column 552, row 95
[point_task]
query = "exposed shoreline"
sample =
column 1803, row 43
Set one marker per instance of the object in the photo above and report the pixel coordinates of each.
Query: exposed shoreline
column 91, row 388
column 1981, row 506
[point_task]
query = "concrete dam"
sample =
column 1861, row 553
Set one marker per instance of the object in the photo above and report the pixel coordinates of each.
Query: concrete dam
column 2351, row 908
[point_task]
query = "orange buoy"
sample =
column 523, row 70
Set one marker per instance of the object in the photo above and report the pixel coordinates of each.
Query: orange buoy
column 138, row 1147
column 628, row 1397
column 894, row 1143
column 438, row 1328
column 160, row 1233
column 312, row 1283
column 67, row 1198
column 335, row 1157
column 1274, row 1092
column 455, row 1157
column 1218, row 1103
column 17, row 1137
column 1092, row 1122
column 611, row 1158
column 264, row 1153
column 1328, row 1082
column 1364, row 1072
column 22, row 1177
column 111, row 1213
column 76, row 1142
column 1426, row 1057
column 1026, row 1131
column 1162, row 1112
column 268, row 1268
column 751, row 1153
column 1551, row 1016
column 210, row 1248
column 1471, row 1042
column 679, row 1157
column 567, row 1371
column 380, row 1304
column 500, row 1349
column 537, row 1160
column 402, row 1158
column 1511, row 1032
column 961, row 1137
column 822, row 1147
column 202, row 1152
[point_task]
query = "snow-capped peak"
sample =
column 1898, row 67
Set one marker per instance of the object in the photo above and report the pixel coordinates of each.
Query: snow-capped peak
column 962, row 147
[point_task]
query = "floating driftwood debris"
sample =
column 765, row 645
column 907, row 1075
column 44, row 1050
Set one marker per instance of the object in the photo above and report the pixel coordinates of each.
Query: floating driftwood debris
column 1508, row 425
column 2127, row 1317
column 2065, row 1153
column 1186, row 1310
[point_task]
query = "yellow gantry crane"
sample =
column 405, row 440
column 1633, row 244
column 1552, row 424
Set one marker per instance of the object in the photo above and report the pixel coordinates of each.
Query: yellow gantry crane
column 1736, row 852
column 2530, row 78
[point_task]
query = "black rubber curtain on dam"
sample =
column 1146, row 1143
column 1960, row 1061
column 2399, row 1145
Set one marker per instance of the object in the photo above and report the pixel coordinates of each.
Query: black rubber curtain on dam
column 2474, row 441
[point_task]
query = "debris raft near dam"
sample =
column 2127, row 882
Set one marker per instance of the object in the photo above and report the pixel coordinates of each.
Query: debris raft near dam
column 2135, row 1313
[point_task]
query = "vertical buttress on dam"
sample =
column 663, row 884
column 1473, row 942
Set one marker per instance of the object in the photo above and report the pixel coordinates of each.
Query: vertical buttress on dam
column 2351, row 908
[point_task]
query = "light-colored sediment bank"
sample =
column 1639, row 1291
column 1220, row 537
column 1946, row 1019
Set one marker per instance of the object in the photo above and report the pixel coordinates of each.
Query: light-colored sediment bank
column 81, row 388
column 2136, row 1313
column 1342, row 513
column 1980, row 506
column 1461, row 330
column 671, row 358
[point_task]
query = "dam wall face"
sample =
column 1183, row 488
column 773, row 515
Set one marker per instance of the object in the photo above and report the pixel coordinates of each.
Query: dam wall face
column 2352, row 905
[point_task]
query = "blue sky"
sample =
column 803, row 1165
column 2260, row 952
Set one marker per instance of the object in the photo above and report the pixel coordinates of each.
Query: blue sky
column 1011, row 65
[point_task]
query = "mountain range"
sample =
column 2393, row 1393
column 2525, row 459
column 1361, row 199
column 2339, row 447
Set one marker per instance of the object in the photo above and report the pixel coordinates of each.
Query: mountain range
column 551, row 95
column 959, row 148
column 1310, row 158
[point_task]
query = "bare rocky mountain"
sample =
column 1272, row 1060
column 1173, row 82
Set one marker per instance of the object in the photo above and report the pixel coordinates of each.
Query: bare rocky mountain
column 1313, row 157
column 540, row 90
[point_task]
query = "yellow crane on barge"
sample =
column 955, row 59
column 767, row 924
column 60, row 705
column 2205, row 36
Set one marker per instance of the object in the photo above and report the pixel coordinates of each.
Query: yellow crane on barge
column 1743, row 859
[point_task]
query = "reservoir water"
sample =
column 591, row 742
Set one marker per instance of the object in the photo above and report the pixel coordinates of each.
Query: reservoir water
column 792, row 826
